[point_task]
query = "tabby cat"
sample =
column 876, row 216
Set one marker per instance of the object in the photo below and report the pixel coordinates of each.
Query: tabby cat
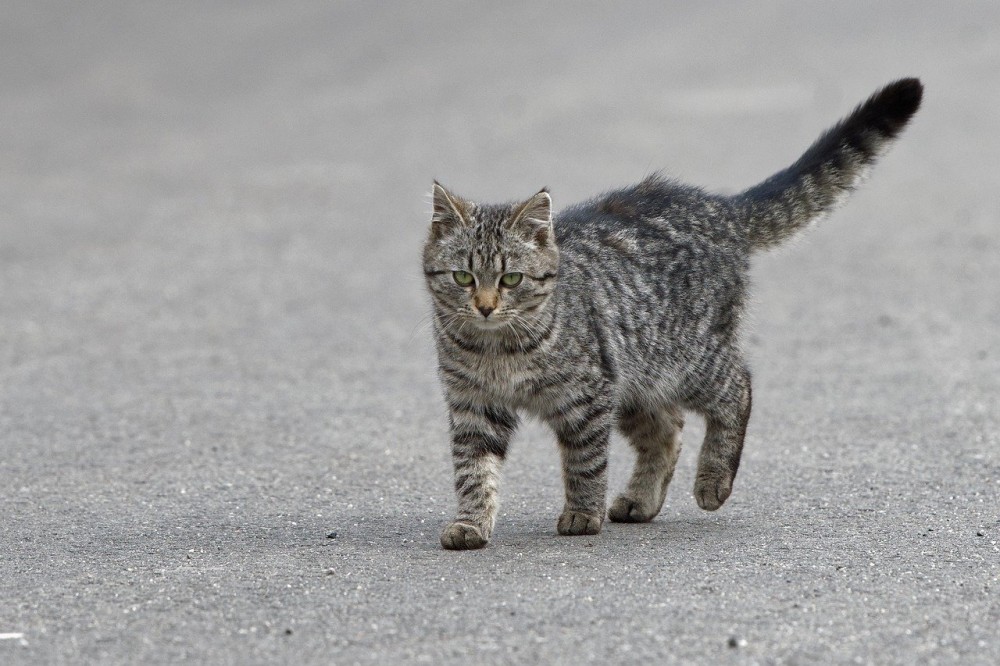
column 624, row 312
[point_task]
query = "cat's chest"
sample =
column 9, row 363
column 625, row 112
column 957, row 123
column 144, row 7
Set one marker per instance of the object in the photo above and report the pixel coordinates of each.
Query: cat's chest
column 508, row 378
column 513, row 380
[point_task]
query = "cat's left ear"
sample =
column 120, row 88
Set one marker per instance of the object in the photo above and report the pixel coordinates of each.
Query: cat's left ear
column 534, row 218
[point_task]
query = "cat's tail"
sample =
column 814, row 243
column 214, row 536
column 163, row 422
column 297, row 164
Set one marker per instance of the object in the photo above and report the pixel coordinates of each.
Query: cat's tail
column 830, row 170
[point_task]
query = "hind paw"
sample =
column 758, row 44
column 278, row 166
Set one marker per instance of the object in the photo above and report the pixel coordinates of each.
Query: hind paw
column 711, row 492
column 626, row 509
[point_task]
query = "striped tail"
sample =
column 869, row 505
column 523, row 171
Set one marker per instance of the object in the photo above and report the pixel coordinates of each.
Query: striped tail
column 831, row 169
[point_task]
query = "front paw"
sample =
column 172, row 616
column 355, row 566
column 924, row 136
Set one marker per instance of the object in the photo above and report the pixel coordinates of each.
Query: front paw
column 463, row 536
column 573, row 523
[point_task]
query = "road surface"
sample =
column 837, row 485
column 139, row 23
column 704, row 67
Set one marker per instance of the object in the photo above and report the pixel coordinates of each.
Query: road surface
column 221, row 434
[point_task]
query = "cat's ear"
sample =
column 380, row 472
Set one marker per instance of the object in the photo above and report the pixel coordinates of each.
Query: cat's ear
column 449, row 212
column 534, row 218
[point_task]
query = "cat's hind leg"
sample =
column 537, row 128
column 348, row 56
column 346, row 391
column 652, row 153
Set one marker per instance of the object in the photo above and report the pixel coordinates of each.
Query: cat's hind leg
column 655, row 434
column 727, row 410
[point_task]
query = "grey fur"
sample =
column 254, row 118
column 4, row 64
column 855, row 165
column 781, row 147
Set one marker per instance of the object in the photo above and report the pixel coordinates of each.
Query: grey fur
column 627, row 314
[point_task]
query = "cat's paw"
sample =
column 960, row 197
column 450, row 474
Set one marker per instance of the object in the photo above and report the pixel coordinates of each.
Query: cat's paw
column 573, row 523
column 463, row 536
column 712, row 491
column 626, row 509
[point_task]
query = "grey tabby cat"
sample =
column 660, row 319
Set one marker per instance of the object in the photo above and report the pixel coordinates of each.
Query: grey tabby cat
column 624, row 312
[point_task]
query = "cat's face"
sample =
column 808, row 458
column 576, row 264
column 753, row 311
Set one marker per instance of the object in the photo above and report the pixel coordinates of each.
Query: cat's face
column 490, row 268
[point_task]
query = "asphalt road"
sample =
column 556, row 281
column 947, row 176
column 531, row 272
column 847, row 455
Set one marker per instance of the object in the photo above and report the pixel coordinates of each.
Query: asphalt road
column 214, row 350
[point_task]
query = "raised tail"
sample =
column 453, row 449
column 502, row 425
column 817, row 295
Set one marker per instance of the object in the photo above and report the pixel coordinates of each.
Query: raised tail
column 832, row 167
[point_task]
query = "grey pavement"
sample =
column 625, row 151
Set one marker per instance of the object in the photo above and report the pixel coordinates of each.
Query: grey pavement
column 215, row 355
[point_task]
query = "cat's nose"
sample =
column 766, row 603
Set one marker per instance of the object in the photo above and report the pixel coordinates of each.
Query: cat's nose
column 485, row 309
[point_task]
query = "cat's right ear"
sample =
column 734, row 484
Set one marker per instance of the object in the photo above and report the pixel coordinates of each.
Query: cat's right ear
column 534, row 218
column 449, row 212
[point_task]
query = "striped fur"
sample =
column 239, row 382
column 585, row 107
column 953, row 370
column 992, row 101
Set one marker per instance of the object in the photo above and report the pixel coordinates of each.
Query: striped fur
column 626, row 314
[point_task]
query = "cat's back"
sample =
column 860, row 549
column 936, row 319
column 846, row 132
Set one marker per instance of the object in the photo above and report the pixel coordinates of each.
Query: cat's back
column 652, row 218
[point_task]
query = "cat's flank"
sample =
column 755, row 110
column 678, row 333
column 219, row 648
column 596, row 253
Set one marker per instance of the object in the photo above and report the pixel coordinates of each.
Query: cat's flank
column 624, row 312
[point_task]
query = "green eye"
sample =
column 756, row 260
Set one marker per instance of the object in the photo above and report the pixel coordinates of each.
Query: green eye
column 511, row 279
column 463, row 278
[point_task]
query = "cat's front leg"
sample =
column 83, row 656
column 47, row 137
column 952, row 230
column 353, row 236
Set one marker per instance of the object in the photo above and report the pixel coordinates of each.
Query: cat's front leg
column 583, row 428
column 479, row 439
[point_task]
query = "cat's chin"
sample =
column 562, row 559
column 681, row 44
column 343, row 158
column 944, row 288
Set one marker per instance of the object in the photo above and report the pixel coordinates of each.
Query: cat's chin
column 489, row 324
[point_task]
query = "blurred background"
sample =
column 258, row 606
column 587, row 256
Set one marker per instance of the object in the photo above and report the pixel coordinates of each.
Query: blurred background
column 215, row 350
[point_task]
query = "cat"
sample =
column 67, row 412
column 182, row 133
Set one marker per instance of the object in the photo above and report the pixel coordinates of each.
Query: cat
column 623, row 311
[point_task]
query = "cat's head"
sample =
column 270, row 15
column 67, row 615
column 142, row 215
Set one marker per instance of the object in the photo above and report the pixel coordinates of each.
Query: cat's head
column 490, row 267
